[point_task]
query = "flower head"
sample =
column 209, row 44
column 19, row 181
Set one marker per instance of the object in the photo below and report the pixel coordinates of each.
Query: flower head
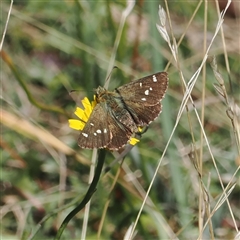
column 82, row 114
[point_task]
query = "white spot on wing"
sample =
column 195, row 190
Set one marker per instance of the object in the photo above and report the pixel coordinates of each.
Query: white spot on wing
column 154, row 78
column 85, row 134
column 143, row 99
column 91, row 124
column 99, row 131
column 105, row 130
column 150, row 89
column 94, row 134
column 140, row 84
column 146, row 92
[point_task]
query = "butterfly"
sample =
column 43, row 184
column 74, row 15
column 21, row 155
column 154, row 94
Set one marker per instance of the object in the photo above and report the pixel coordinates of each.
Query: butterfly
column 118, row 114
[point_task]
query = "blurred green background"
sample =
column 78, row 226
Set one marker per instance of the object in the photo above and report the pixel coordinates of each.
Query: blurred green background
column 53, row 47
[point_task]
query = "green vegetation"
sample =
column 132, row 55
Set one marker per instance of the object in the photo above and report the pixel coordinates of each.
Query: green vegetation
column 53, row 47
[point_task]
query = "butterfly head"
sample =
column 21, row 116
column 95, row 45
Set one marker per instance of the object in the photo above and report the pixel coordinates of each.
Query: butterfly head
column 99, row 92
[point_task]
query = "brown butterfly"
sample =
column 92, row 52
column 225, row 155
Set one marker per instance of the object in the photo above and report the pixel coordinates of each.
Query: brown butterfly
column 119, row 114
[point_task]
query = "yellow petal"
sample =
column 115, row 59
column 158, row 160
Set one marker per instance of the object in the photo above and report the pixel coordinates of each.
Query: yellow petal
column 80, row 114
column 88, row 111
column 94, row 102
column 86, row 103
column 87, row 107
column 133, row 141
column 76, row 124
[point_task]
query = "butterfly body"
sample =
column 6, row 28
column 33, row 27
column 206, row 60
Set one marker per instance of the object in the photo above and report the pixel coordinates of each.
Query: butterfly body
column 118, row 114
column 115, row 106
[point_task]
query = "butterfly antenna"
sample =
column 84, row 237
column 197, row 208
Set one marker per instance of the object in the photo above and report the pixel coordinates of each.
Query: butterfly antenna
column 108, row 77
column 71, row 91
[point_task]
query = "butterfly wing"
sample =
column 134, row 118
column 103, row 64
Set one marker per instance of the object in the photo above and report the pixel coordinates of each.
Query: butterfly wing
column 147, row 91
column 103, row 130
column 142, row 97
column 96, row 133
column 144, row 116
column 120, row 133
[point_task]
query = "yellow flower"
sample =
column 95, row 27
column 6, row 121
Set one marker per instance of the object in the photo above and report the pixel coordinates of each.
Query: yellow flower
column 84, row 114
column 133, row 141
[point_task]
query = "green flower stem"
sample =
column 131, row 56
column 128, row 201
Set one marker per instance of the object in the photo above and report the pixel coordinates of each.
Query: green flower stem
column 92, row 188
